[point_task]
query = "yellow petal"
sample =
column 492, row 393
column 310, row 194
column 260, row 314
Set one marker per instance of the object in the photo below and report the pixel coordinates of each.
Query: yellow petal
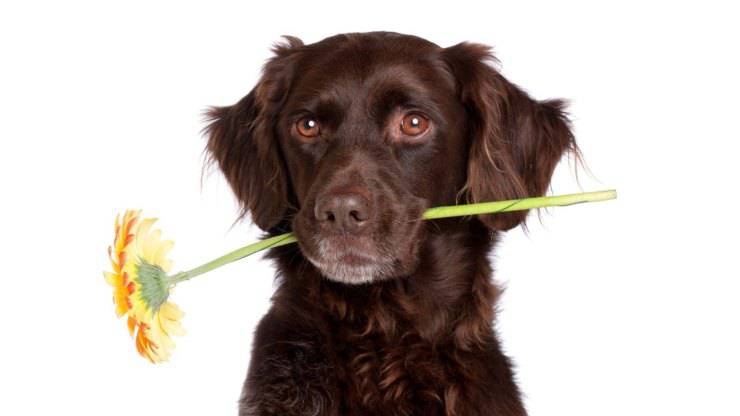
column 112, row 278
column 159, row 257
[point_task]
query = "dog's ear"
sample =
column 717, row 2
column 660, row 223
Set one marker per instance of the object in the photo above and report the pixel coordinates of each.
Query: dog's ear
column 515, row 141
column 241, row 140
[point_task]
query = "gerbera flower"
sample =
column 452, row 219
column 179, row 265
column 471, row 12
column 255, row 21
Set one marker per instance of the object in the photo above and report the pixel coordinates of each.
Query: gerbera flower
column 141, row 285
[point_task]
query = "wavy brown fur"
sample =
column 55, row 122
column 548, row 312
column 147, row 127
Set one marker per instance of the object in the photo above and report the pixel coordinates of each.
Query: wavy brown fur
column 419, row 338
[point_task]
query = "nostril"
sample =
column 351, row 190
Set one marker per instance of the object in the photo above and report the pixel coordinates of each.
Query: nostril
column 343, row 211
column 356, row 216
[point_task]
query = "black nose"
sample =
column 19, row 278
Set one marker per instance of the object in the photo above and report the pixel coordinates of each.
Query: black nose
column 343, row 211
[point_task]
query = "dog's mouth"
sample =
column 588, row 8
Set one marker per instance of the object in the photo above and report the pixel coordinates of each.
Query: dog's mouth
column 358, row 239
column 350, row 259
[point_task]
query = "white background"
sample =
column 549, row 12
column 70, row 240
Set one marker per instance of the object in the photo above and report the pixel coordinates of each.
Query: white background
column 626, row 307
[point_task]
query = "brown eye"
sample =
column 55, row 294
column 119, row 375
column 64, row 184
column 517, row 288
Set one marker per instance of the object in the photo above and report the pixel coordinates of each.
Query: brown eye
column 414, row 124
column 308, row 127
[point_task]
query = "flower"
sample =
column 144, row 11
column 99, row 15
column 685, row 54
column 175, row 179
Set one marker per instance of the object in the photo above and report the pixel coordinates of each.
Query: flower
column 141, row 285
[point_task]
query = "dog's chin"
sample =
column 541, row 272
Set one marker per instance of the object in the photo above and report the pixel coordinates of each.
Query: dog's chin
column 353, row 274
column 354, row 264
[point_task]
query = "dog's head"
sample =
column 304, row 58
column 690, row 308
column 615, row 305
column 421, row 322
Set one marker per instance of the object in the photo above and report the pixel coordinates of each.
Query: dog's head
column 348, row 140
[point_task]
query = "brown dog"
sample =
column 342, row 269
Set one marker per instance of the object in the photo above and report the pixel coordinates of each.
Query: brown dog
column 346, row 142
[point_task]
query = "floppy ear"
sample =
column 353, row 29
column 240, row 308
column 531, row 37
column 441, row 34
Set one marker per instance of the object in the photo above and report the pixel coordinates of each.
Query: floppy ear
column 241, row 140
column 515, row 141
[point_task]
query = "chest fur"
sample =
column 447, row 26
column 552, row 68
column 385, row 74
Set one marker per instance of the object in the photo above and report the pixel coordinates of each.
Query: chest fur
column 401, row 376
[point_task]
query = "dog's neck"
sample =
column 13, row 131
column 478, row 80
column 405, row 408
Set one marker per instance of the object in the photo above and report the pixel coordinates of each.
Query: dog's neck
column 449, row 298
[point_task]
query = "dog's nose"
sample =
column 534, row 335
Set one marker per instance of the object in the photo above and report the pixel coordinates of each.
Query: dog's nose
column 343, row 211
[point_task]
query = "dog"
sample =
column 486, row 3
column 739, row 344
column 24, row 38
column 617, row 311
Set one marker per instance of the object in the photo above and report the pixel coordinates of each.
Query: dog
column 346, row 142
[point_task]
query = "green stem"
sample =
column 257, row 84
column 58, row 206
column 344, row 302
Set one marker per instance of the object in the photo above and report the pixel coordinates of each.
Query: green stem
column 279, row 240
column 430, row 214
column 517, row 204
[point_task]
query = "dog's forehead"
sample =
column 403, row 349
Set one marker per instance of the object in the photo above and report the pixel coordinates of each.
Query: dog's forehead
column 363, row 51
column 370, row 69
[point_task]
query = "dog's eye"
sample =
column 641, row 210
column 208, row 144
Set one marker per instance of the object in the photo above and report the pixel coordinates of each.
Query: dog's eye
column 308, row 127
column 414, row 124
